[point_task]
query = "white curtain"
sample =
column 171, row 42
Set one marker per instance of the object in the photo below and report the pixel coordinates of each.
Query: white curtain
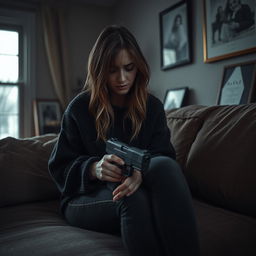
column 53, row 19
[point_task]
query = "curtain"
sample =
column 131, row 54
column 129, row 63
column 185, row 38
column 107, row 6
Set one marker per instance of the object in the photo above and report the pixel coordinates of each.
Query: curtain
column 53, row 19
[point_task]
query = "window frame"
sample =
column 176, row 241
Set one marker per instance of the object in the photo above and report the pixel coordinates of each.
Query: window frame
column 19, row 83
column 25, row 21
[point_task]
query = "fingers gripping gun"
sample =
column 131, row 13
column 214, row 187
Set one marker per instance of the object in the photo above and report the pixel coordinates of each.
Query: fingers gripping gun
column 134, row 158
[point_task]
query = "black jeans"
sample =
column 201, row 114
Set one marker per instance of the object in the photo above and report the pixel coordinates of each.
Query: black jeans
column 158, row 219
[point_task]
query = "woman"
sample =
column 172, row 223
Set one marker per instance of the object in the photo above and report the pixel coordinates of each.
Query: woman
column 178, row 38
column 217, row 24
column 152, row 210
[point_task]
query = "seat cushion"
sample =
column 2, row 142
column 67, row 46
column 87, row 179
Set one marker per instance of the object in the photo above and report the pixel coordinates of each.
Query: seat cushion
column 224, row 232
column 38, row 229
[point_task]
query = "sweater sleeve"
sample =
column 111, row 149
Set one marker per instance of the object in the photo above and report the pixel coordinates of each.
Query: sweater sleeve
column 69, row 164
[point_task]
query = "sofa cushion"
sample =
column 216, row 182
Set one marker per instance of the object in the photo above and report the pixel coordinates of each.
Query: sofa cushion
column 24, row 171
column 184, row 124
column 37, row 229
column 221, row 163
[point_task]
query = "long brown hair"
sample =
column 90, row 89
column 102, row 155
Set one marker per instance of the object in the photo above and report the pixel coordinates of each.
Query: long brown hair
column 111, row 40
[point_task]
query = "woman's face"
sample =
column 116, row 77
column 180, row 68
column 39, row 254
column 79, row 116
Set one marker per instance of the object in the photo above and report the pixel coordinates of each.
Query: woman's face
column 234, row 4
column 178, row 20
column 121, row 76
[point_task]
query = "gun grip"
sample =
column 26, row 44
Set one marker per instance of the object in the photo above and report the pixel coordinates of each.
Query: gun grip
column 127, row 170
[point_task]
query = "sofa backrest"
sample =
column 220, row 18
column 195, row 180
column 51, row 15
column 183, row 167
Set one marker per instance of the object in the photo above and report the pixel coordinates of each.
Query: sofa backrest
column 216, row 146
column 24, row 173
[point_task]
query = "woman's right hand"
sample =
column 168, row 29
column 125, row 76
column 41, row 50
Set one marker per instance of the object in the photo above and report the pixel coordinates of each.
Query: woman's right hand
column 106, row 169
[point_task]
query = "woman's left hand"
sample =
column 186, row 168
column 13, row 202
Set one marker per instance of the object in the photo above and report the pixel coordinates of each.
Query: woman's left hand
column 128, row 186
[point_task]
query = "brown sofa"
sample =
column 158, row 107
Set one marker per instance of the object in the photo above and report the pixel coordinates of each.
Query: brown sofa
column 216, row 146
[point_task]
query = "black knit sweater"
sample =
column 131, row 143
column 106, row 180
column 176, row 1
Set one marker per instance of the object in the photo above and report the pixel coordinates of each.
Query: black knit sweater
column 77, row 146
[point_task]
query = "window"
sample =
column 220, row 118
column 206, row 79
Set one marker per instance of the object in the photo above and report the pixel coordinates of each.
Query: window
column 17, row 72
column 9, row 82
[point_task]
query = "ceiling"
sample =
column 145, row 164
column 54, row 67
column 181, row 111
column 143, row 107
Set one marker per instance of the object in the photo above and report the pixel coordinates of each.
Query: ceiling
column 95, row 2
column 28, row 4
column 98, row 2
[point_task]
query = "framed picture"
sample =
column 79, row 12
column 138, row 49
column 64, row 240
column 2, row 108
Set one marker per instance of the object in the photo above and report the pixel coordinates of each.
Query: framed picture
column 238, row 84
column 229, row 28
column 174, row 98
column 175, row 39
column 47, row 116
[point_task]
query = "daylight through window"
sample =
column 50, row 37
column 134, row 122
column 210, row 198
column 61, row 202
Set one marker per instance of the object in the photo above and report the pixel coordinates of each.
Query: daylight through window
column 9, row 83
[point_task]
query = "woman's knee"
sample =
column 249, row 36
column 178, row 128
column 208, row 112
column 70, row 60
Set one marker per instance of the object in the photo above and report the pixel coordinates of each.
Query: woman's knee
column 161, row 164
column 137, row 202
column 162, row 168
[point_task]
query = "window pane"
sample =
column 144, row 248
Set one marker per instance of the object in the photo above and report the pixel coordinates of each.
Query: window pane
column 9, row 68
column 9, row 42
column 9, row 111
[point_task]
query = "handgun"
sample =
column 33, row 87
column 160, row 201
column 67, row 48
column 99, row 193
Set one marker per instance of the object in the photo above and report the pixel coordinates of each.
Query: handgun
column 133, row 157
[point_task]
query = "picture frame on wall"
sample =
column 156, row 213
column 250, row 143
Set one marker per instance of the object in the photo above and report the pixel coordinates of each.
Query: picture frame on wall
column 174, row 98
column 229, row 28
column 175, row 36
column 47, row 116
column 238, row 85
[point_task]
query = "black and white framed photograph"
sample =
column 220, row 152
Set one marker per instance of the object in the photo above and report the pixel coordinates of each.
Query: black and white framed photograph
column 229, row 28
column 175, row 35
column 174, row 98
column 238, row 85
column 47, row 116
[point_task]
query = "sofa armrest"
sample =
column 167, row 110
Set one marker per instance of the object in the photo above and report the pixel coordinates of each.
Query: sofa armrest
column 24, row 175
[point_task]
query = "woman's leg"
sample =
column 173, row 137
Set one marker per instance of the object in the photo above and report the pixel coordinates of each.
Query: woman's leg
column 139, row 234
column 95, row 211
column 172, row 207
column 98, row 212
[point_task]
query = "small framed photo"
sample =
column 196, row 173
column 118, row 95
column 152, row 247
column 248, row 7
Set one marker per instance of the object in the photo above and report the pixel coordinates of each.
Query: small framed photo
column 229, row 28
column 47, row 116
column 174, row 98
column 175, row 35
column 238, row 84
